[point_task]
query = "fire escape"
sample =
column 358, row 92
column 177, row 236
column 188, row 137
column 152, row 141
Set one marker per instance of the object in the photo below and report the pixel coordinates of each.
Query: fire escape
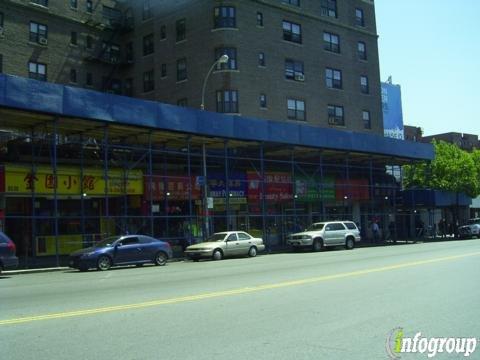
column 115, row 23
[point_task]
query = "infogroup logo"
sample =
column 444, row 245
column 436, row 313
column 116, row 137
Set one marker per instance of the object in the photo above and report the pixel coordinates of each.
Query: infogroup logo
column 397, row 343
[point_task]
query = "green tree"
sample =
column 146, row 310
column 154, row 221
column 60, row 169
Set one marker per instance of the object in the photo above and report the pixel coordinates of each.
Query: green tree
column 452, row 169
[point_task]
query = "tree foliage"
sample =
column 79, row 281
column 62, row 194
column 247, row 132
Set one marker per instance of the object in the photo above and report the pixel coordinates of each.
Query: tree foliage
column 453, row 169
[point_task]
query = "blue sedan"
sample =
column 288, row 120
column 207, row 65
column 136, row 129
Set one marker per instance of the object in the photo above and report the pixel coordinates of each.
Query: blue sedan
column 122, row 250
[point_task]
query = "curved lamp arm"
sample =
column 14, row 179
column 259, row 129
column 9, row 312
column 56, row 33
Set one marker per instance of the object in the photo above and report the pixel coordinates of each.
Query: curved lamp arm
column 222, row 60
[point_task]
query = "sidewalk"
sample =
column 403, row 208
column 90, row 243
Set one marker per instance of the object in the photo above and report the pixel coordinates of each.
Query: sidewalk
column 276, row 250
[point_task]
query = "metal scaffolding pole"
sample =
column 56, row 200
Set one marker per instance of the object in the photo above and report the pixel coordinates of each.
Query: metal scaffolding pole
column 150, row 182
column 227, row 187
column 105, row 175
column 263, row 196
column 55, row 190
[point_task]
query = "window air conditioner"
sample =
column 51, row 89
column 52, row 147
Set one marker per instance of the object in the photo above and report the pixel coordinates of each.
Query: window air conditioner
column 299, row 77
column 43, row 41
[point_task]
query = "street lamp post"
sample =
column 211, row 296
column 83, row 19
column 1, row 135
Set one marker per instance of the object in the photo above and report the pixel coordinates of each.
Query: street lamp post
column 221, row 60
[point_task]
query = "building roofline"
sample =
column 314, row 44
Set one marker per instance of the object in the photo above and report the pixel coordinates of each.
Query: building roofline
column 60, row 100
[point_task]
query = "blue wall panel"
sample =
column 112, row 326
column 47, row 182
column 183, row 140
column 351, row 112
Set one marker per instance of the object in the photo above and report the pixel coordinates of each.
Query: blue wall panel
column 87, row 104
column 33, row 95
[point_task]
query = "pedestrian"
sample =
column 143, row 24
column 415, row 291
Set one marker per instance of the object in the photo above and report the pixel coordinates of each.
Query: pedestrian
column 375, row 231
column 391, row 230
column 441, row 227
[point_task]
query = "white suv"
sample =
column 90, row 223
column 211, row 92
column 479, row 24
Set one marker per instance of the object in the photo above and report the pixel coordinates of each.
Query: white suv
column 327, row 233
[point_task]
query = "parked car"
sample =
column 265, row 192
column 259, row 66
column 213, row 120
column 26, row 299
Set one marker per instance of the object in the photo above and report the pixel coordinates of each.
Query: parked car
column 223, row 244
column 122, row 250
column 470, row 229
column 328, row 233
column 8, row 260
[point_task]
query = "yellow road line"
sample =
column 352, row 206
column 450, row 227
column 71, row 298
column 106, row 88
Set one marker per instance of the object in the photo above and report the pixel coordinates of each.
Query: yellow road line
column 217, row 294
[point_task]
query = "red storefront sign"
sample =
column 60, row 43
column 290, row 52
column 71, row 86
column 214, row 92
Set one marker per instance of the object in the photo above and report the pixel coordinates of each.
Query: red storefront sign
column 175, row 188
column 353, row 189
column 278, row 186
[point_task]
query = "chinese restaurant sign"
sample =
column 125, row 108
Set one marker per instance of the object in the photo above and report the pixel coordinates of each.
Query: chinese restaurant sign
column 20, row 179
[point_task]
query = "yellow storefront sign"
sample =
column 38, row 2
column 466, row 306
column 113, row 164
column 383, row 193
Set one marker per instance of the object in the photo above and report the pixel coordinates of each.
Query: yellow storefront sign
column 20, row 179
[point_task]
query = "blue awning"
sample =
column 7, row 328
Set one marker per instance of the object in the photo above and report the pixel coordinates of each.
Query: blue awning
column 37, row 96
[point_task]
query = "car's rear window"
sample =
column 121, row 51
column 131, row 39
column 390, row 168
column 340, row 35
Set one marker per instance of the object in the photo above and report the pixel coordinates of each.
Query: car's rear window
column 3, row 238
column 350, row 225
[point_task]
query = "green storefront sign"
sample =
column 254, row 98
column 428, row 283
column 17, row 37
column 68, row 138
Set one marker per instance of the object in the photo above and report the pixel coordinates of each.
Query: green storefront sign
column 310, row 189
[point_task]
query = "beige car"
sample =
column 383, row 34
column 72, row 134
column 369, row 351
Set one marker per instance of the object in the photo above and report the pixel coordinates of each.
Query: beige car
column 229, row 243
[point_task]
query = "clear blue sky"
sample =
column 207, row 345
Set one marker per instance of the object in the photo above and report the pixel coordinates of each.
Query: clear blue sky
column 431, row 48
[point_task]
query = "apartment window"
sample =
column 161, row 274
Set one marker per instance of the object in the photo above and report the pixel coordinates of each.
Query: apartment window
column 362, row 50
column 38, row 33
column 163, row 71
column 147, row 10
column 367, row 124
column 328, row 8
column 331, row 42
column 296, row 109
column 128, row 87
column 181, row 69
column 89, row 79
column 37, row 71
column 1, row 63
column 292, row 32
column 291, row 2
column 1, row 20
column 148, row 44
column 89, row 6
column 227, row 101
column 333, row 78
column 111, row 52
column 364, row 85
column 74, row 4
column 40, row 2
column 294, row 70
column 359, row 19
column 182, row 102
column 73, row 38
column 224, row 17
column 148, row 81
column 232, row 58
column 259, row 19
column 163, row 32
column 261, row 59
column 129, row 53
column 73, row 75
column 181, row 29
column 336, row 115
column 89, row 42
column 263, row 101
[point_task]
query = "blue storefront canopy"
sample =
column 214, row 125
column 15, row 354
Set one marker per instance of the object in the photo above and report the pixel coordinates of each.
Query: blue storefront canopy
column 60, row 100
column 430, row 198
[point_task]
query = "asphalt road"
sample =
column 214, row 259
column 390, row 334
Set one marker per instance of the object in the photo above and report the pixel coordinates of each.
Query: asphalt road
column 336, row 304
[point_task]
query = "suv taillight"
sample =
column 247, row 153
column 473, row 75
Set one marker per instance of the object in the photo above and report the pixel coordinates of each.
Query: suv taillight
column 11, row 246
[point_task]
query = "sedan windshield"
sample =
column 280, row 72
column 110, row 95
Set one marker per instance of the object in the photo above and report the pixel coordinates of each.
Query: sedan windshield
column 107, row 242
column 315, row 227
column 216, row 237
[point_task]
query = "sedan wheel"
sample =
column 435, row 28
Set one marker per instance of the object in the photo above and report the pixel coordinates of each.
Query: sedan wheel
column 104, row 263
column 252, row 252
column 217, row 255
column 160, row 259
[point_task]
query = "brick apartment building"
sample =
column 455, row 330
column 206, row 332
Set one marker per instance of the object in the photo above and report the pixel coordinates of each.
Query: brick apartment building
column 289, row 60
